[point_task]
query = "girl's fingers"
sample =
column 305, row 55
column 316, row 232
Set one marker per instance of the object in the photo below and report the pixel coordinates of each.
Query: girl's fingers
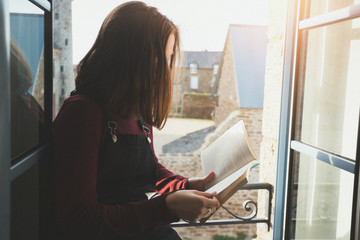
column 209, row 177
column 210, row 199
column 205, row 194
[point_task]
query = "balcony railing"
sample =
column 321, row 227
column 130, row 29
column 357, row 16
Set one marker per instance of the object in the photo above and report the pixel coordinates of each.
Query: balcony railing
column 249, row 205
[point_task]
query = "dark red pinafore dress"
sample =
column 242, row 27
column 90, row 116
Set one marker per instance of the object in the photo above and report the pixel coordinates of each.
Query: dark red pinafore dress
column 127, row 170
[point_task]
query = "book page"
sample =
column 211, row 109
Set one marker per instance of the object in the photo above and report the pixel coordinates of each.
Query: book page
column 230, row 152
column 220, row 186
column 227, row 187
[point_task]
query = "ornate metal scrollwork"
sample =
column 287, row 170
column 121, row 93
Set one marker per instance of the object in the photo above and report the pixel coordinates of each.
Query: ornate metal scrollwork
column 248, row 205
column 248, row 208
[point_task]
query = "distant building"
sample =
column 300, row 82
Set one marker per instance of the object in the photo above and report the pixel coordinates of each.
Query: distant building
column 239, row 86
column 63, row 82
column 195, row 81
column 240, row 82
column 63, row 67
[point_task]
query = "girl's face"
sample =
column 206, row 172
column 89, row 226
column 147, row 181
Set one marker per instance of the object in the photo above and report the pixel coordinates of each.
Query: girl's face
column 170, row 47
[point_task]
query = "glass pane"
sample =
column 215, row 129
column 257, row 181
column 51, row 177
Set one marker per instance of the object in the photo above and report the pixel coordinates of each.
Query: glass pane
column 25, row 205
column 194, row 82
column 319, row 7
column 321, row 200
column 27, row 76
column 328, row 100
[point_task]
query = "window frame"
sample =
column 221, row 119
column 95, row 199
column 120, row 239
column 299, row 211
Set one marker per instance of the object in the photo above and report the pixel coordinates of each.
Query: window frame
column 194, row 82
column 286, row 145
column 216, row 68
column 40, row 154
column 5, row 122
column 193, row 68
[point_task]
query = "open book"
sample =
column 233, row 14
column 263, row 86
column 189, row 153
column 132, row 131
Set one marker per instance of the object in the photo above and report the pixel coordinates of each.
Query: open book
column 230, row 157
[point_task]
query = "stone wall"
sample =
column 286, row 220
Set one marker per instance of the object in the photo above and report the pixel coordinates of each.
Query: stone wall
column 63, row 81
column 226, row 93
column 197, row 105
column 62, row 22
column 272, row 99
column 182, row 86
column 205, row 80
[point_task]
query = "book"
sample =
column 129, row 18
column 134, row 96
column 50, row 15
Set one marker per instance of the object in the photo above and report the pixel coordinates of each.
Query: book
column 230, row 156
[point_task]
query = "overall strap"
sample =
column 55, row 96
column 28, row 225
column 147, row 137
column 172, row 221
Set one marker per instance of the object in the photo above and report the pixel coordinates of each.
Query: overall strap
column 112, row 125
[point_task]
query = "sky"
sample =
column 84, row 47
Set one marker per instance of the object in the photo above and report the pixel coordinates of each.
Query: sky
column 203, row 24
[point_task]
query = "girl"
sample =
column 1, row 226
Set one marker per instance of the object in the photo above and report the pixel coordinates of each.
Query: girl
column 102, row 135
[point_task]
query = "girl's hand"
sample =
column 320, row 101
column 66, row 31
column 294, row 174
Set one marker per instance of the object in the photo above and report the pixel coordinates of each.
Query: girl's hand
column 192, row 205
column 199, row 183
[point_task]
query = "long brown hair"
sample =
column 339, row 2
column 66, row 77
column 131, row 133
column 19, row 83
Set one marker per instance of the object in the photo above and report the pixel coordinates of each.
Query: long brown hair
column 21, row 76
column 127, row 68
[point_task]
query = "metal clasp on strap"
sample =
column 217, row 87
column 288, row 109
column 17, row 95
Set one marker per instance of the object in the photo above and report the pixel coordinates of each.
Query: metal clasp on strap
column 146, row 130
column 112, row 126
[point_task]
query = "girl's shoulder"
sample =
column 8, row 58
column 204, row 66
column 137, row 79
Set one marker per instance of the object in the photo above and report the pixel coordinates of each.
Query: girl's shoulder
column 79, row 107
column 81, row 102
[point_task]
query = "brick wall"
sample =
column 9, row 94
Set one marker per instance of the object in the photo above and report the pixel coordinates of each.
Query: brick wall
column 253, row 122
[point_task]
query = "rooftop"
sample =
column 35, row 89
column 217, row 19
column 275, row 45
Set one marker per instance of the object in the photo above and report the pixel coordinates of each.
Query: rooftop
column 204, row 59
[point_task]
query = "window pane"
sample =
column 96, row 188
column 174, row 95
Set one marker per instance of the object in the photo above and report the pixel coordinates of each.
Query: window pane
column 216, row 69
column 319, row 7
column 194, row 82
column 193, row 68
column 321, row 200
column 25, row 205
column 329, row 99
column 27, row 76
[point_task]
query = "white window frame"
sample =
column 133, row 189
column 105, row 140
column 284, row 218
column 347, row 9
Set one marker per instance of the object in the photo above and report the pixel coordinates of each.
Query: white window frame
column 193, row 68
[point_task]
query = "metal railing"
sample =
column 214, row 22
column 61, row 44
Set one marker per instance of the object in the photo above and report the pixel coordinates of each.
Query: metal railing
column 248, row 205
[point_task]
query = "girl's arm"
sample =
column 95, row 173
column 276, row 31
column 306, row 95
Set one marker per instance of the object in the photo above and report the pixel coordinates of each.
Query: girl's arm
column 167, row 180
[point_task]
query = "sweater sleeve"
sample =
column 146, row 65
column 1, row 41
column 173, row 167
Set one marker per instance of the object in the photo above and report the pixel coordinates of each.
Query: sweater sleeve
column 167, row 181
column 77, row 133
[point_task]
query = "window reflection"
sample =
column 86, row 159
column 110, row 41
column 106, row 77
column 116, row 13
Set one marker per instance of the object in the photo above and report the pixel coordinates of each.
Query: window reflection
column 321, row 207
column 329, row 105
column 319, row 7
column 27, row 76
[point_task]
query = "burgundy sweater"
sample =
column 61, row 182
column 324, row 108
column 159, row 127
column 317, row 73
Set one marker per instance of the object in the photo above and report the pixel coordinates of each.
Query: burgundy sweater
column 77, row 134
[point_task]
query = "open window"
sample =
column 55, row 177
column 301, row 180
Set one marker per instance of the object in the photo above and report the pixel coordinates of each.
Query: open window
column 318, row 161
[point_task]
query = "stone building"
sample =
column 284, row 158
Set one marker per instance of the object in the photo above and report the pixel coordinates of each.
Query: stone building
column 194, row 82
column 63, row 82
column 239, row 90
column 63, row 66
column 240, row 83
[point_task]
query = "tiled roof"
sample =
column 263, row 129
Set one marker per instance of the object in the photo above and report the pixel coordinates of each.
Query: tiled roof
column 204, row 59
